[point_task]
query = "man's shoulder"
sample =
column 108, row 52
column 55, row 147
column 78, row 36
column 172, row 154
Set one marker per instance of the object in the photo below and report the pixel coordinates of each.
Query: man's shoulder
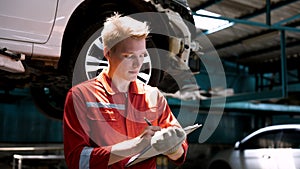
column 83, row 85
column 146, row 87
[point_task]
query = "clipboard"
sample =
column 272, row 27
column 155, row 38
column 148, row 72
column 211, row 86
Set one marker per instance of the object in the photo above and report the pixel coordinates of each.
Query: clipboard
column 150, row 152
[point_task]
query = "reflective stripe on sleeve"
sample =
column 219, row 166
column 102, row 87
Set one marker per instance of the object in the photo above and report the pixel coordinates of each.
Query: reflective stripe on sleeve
column 105, row 105
column 84, row 162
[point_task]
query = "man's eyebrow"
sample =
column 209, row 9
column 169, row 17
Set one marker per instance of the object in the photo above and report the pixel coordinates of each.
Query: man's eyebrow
column 129, row 53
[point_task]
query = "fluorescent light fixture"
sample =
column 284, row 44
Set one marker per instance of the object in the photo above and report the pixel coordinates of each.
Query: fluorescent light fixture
column 211, row 25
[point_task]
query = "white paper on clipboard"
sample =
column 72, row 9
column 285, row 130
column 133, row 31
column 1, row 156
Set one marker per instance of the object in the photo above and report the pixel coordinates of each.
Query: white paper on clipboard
column 150, row 152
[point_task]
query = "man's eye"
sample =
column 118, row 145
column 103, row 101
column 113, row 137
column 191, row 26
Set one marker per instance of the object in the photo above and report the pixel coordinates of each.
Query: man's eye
column 143, row 55
column 131, row 56
column 128, row 56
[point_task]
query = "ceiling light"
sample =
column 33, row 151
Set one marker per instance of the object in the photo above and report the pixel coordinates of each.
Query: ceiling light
column 210, row 25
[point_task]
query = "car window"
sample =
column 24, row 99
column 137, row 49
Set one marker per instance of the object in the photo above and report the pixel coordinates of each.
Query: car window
column 290, row 139
column 263, row 140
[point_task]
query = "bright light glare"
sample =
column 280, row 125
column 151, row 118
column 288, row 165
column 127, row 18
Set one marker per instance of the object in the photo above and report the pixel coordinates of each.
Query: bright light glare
column 211, row 25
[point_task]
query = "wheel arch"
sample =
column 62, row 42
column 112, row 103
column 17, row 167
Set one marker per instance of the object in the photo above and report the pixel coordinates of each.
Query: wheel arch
column 89, row 12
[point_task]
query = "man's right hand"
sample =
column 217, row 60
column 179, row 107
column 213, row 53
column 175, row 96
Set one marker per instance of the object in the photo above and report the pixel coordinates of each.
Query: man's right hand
column 146, row 136
column 133, row 146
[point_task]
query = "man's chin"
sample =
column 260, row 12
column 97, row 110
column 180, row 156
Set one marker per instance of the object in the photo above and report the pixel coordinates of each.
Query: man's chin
column 133, row 78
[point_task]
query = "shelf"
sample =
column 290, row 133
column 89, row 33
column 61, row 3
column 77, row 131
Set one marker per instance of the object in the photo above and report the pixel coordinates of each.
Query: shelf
column 247, row 102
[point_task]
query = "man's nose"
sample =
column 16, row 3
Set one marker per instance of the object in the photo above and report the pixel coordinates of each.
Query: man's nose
column 137, row 61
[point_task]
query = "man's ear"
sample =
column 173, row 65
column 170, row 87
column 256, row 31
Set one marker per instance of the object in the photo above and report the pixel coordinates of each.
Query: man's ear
column 106, row 53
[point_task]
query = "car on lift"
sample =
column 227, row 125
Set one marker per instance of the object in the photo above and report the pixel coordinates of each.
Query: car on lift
column 276, row 146
column 46, row 41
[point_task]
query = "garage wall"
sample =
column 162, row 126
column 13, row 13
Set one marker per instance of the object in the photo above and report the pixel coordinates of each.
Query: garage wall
column 22, row 122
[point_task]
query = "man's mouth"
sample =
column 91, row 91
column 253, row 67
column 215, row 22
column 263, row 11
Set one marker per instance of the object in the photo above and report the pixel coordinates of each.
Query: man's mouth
column 133, row 72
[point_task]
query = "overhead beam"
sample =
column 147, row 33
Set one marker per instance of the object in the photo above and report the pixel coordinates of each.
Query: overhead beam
column 263, row 51
column 206, row 4
column 263, row 10
column 272, row 6
column 268, row 12
column 240, row 103
column 283, row 64
column 256, row 108
column 234, row 42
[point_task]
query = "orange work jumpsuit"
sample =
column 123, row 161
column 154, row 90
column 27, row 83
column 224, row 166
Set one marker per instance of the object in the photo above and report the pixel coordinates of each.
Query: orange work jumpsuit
column 97, row 116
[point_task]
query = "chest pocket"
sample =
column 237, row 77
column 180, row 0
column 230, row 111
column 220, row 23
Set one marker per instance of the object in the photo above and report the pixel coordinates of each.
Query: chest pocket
column 103, row 114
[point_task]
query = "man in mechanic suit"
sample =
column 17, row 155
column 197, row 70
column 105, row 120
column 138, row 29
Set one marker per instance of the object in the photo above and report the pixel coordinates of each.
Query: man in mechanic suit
column 104, row 118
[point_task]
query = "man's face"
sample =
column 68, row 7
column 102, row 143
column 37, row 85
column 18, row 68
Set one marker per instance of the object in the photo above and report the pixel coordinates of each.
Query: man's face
column 127, row 58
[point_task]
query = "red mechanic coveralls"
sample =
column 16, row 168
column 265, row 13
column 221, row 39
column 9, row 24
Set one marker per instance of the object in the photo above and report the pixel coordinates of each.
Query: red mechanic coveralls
column 97, row 115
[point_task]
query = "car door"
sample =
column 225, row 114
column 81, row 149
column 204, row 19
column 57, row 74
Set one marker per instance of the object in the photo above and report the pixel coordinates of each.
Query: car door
column 257, row 152
column 27, row 20
column 257, row 159
column 288, row 149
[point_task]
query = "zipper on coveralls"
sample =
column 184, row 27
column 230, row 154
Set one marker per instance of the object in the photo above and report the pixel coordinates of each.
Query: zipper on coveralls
column 126, row 110
column 126, row 101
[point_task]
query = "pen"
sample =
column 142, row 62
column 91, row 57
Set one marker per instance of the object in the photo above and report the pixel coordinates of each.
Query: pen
column 147, row 121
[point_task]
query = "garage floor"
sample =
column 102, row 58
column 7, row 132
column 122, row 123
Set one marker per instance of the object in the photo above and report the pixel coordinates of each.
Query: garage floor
column 7, row 151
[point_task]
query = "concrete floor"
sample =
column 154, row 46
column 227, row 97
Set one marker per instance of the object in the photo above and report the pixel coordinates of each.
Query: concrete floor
column 197, row 158
column 7, row 151
column 6, row 162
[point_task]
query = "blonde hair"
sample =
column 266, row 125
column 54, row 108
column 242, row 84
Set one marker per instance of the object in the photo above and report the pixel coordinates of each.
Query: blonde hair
column 117, row 28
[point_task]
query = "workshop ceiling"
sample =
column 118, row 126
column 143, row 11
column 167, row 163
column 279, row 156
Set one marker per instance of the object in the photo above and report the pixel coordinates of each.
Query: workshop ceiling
column 264, row 34
column 255, row 38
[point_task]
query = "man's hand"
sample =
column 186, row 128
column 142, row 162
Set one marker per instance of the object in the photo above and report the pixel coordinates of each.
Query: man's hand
column 168, row 140
column 133, row 146
column 150, row 131
column 146, row 136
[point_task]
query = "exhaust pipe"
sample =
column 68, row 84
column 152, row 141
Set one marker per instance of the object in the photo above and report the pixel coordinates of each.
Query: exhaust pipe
column 11, row 62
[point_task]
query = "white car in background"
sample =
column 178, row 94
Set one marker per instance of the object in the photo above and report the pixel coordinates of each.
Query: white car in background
column 272, row 147
column 41, row 40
